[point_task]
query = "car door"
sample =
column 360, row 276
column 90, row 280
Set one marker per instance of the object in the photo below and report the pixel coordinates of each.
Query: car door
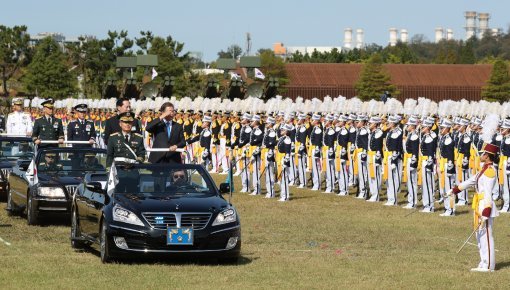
column 95, row 211
column 82, row 197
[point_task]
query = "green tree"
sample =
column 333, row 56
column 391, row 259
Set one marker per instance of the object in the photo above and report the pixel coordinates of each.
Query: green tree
column 14, row 52
column 49, row 74
column 234, row 51
column 374, row 81
column 273, row 66
column 498, row 85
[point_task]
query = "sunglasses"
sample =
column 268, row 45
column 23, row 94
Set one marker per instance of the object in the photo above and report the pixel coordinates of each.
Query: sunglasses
column 50, row 157
column 179, row 176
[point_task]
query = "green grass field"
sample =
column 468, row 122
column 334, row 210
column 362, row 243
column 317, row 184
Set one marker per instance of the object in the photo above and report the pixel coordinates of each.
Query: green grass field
column 315, row 241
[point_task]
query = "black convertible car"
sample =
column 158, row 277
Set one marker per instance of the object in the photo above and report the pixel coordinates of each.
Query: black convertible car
column 161, row 209
column 12, row 151
column 48, row 183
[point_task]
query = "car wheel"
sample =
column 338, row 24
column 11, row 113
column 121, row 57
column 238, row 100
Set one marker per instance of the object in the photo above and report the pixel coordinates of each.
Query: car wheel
column 105, row 248
column 32, row 214
column 75, row 232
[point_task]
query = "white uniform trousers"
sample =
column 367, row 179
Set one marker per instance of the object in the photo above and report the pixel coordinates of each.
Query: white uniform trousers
column 316, row 172
column 270, row 170
column 353, row 179
column 330, row 175
column 393, row 182
column 375, row 182
column 485, row 240
column 256, row 173
column 412, row 184
column 292, row 170
column 449, row 183
column 245, row 174
column 214, row 157
column 222, row 154
column 301, row 170
column 343, row 178
column 463, row 195
column 427, row 184
column 362, row 177
column 284, row 184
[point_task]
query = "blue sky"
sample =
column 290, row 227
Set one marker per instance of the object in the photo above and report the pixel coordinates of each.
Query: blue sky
column 210, row 26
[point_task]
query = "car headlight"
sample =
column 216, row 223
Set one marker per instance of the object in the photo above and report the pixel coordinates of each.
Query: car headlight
column 225, row 217
column 51, row 192
column 121, row 214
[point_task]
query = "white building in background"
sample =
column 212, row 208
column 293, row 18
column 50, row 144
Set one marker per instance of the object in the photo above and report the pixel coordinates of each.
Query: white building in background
column 470, row 24
column 393, row 36
column 360, row 38
column 483, row 24
column 439, row 34
column 348, row 38
column 449, row 34
column 404, row 36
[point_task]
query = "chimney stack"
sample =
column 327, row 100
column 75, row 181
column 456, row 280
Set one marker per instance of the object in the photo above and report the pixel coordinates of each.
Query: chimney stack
column 404, row 36
column 348, row 38
column 360, row 38
column 470, row 24
column 439, row 34
column 483, row 24
column 393, row 36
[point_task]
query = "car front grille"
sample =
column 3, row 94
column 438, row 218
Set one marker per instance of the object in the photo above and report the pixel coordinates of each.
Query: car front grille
column 71, row 189
column 163, row 220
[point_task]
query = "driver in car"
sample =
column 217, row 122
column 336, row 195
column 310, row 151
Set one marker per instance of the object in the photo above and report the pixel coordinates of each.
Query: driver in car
column 90, row 162
column 50, row 163
column 179, row 178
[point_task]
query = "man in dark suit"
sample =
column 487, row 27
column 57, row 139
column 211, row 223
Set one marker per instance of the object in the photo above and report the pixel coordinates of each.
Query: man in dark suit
column 112, row 124
column 166, row 133
column 81, row 129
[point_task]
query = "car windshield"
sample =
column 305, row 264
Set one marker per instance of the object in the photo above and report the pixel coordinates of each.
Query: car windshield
column 164, row 182
column 71, row 163
column 12, row 149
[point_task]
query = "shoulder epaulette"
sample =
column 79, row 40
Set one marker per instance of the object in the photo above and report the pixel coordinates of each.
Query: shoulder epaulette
column 115, row 134
column 138, row 134
column 490, row 172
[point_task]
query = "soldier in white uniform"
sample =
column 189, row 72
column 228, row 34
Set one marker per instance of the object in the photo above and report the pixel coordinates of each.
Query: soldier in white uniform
column 316, row 144
column 504, row 165
column 342, row 148
column 374, row 158
column 412, row 152
column 19, row 122
column 484, row 208
column 268, row 144
column 284, row 148
column 255, row 144
column 446, row 166
column 428, row 146
column 393, row 160
column 329, row 139
column 360, row 153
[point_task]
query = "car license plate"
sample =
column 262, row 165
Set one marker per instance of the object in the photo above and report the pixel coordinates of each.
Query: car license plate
column 179, row 236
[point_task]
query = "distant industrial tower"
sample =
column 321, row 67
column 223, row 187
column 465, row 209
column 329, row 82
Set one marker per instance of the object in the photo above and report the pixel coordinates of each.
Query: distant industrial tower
column 449, row 34
column 439, row 35
column 483, row 24
column 393, row 36
column 248, row 44
column 348, row 38
column 470, row 24
column 360, row 38
column 404, row 36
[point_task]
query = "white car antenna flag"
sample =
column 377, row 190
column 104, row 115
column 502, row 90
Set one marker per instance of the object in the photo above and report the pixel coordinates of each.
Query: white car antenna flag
column 259, row 74
column 154, row 73
column 113, row 180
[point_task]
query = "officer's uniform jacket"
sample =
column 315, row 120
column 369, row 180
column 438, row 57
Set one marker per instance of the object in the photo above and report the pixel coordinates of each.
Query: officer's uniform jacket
column 19, row 123
column 117, row 147
column 447, row 154
column 81, row 130
column 44, row 130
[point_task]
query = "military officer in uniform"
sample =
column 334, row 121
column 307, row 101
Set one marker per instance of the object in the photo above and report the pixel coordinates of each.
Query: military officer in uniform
column 48, row 128
column 463, row 158
column 504, row 165
column 301, row 148
column 268, row 145
column 50, row 163
column 316, row 136
column 342, row 156
column 360, row 155
column 244, row 161
column 125, row 144
column 19, row 122
column 284, row 148
column 224, row 143
column 204, row 141
column 112, row 124
column 81, row 129
column 90, row 162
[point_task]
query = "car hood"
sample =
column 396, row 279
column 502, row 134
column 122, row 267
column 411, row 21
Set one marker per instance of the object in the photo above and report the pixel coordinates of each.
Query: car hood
column 141, row 204
column 55, row 180
column 7, row 163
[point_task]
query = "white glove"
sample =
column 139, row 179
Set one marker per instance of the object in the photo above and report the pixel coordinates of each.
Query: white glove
column 343, row 151
column 413, row 159
column 449, row 165
column 378, row 155
column 465, row 161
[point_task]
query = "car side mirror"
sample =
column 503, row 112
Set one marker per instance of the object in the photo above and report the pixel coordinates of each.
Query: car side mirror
column 224, row 187
column 95, row 187
column 23, row 165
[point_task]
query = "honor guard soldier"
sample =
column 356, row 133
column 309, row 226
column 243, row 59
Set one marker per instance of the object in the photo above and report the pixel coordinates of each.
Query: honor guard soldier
column 393, row 160
column 301, row 149
column 463, row 158
column 48, row 127
column 446, row 166
column 342, row 156
column 504, row 165
column 497, row 140
column 235, row 133
column 360, row 155
column 81, row 129
column 292, row 134
column 484, row 208
column 19, row 122
column 268, row 155
column 224, row 146
column 244, row 159
column 215, row 130
column 353, row 131
column 374, row 157
column 428, row 147
column 329, row 139
column 284, row 147
column 255, row 143
column 316, row 136
column 188, row 133
column 204, row 141
column 125, row 144
column 197, row 129
column 411, row 155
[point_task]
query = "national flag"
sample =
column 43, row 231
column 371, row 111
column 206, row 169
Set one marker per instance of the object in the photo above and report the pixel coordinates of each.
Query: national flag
column 259, row 74
column 234, row 76
column 154, row 73
column 113, row 180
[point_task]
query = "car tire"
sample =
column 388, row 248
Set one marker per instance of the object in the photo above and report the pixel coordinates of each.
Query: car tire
column 75, row 232
column 32, row 213
column 104, row 246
